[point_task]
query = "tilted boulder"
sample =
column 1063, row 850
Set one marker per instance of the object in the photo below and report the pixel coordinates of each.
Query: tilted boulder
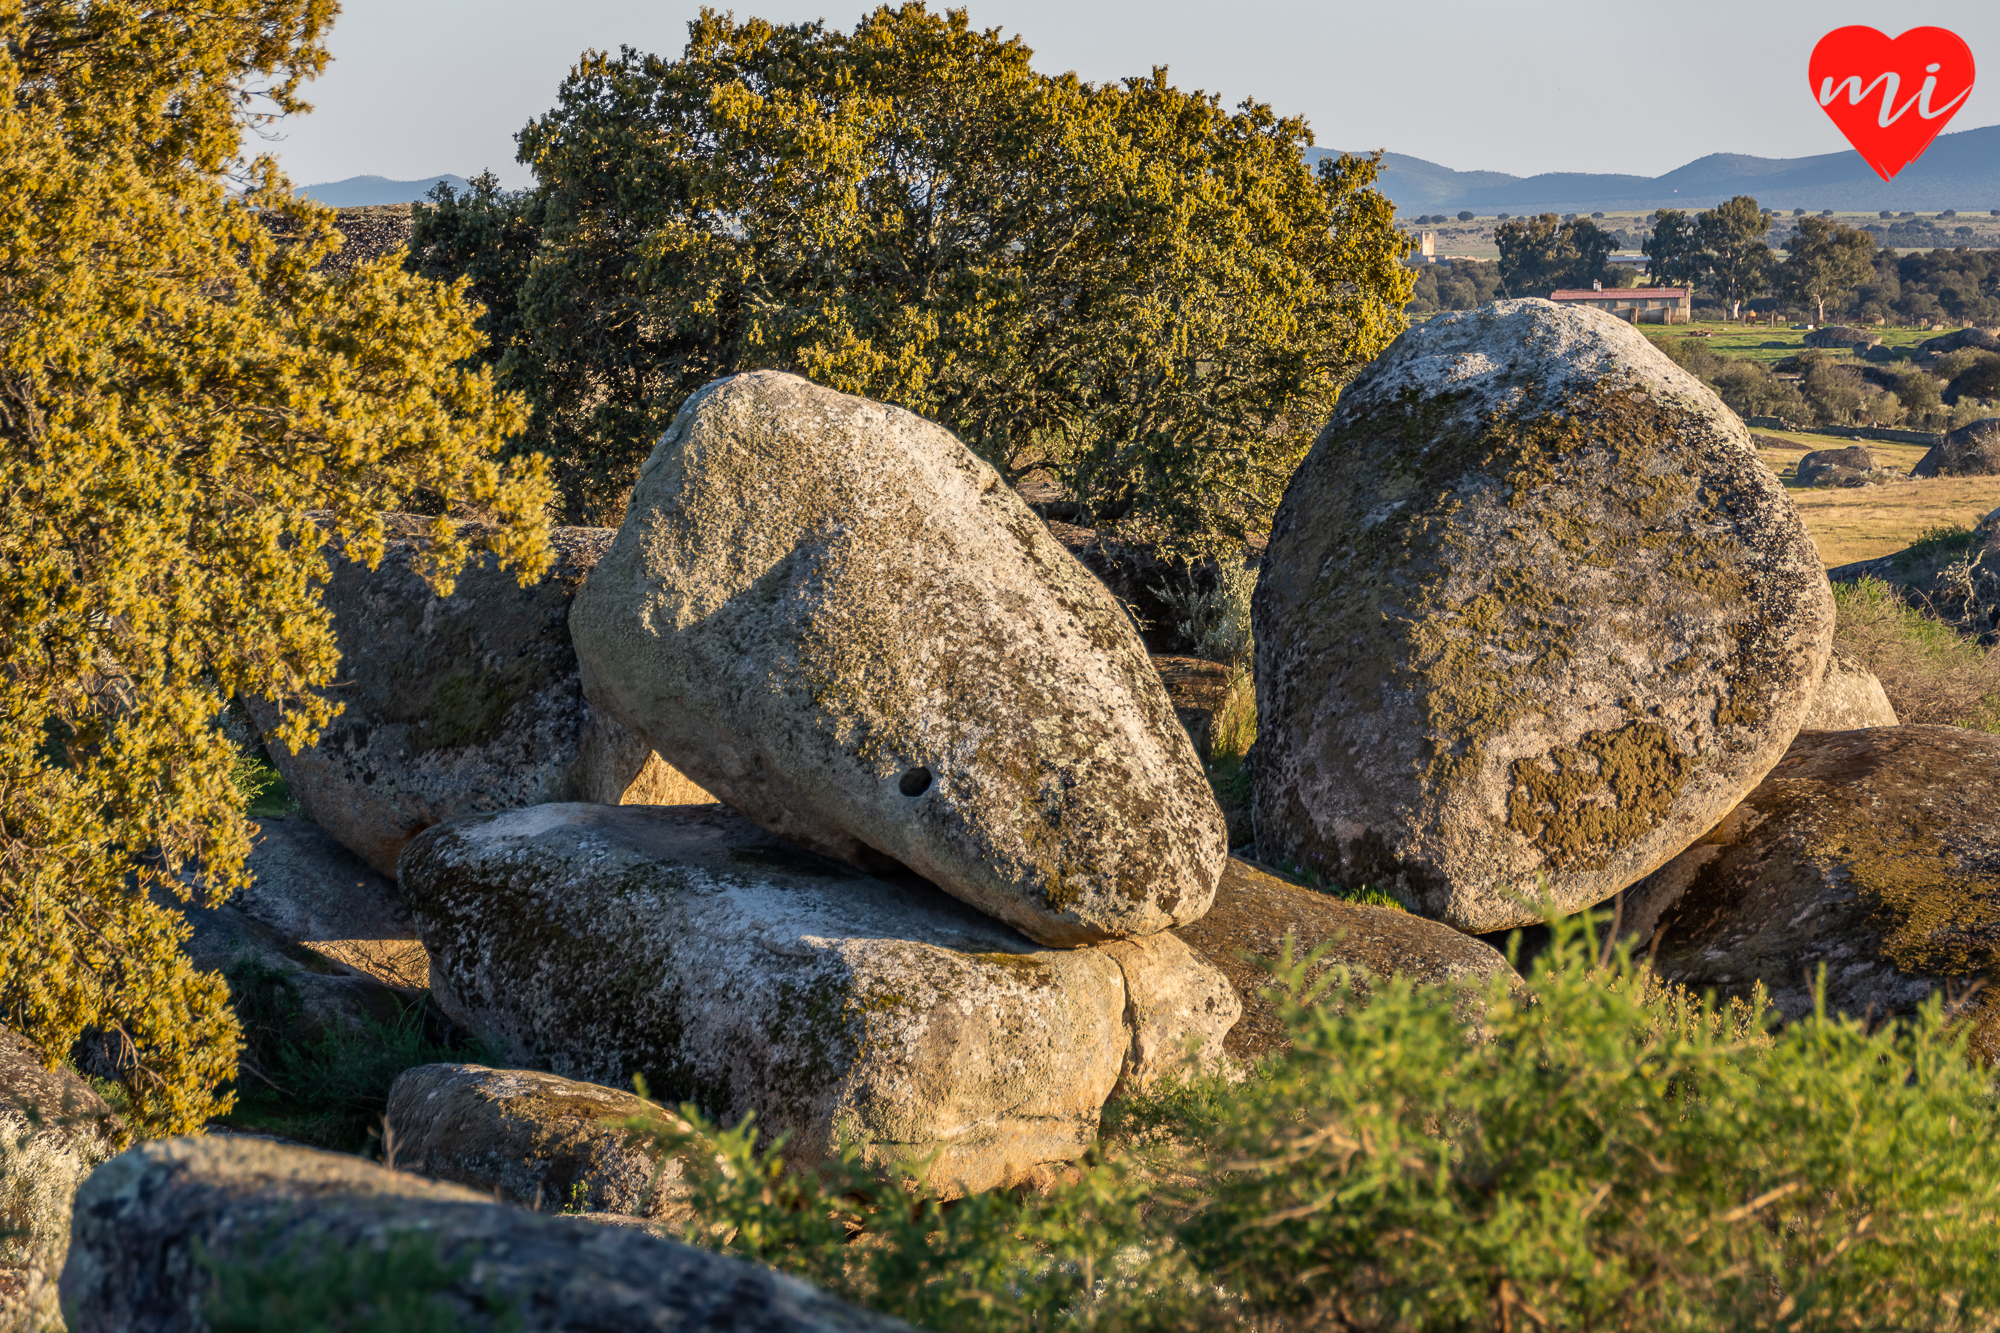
column 743, row 974
column 53, row 1131
column 835, row 617
column 1849, row 697
column 1970, row 451
column 1532, row 609
column 459, row 704
column 1255, row 912
column 1875, row 853
column 176, row 1232
column 538, row 1140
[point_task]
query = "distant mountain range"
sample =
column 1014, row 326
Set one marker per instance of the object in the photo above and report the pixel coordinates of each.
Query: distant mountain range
column 1960, row 171
column 356, row 191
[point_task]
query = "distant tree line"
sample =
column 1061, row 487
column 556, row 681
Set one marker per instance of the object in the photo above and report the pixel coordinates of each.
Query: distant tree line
column 1824, row 388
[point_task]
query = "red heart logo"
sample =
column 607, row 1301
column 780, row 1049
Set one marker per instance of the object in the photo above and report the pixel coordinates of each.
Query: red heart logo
column 1891, row 97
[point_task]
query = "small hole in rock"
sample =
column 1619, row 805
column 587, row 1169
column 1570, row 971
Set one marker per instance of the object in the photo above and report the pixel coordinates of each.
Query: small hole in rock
column 916, row 782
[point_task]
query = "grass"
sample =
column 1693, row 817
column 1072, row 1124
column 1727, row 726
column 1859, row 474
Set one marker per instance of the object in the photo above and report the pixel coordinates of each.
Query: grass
column 1931, row 672
column 326, row 1088
column 1763, row 343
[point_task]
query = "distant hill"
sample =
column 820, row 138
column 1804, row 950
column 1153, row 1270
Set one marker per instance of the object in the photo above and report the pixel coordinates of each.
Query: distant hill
column 356, row 191
column 1960, row 171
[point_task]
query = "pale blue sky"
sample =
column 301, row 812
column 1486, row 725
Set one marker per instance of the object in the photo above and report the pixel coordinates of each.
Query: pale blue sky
column 420, row 87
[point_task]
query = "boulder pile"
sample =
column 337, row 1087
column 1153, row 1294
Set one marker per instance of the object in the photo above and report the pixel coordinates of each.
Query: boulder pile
column 945, row 872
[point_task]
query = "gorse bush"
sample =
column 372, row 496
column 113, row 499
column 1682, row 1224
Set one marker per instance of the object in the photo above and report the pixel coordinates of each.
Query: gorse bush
column 1610, row 1154
column 189, row 412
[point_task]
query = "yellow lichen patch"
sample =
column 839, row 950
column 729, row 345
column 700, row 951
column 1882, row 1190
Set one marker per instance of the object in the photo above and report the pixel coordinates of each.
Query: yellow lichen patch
column 1580, row 804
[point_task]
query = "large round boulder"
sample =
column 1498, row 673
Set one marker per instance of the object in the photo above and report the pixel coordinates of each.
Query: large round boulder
column 459, row 704
column 1843, row 335
column 835, row 617
column 1837, row 467
column 1970, row 451
column 1532, row 613
column 743, row 974
column 1873, row 853
column 1257, row 915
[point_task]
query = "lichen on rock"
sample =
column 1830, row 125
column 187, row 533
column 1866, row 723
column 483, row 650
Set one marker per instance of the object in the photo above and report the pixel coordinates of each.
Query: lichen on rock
column 745, row 975
column 1532, row 614
column 837, row 618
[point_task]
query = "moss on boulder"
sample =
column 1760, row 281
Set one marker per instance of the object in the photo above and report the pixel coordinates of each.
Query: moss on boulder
column 1875, row 853
column 744, row 974
column 1532, row 611
column 833, row 615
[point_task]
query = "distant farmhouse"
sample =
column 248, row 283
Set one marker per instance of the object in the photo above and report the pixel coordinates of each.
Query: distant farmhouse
column 1637, row 305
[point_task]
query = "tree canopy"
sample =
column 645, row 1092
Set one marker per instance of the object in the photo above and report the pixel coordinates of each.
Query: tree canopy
column 188, row 413
column 1149, row 296
column 1737, row 258
column 1543, row 254
column 1825, row 262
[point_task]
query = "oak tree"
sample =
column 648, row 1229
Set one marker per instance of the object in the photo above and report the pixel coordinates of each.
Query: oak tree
column 1149, row 296
column 1826, row 262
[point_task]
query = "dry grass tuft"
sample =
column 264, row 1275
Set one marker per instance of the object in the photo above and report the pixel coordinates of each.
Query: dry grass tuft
column 1931, row 672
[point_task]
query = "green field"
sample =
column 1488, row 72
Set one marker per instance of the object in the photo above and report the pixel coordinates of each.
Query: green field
column 1763, row 343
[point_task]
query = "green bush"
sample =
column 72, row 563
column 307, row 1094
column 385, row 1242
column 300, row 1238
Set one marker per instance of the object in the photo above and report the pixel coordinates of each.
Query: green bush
column 329, row 1087
column 1611, row 1154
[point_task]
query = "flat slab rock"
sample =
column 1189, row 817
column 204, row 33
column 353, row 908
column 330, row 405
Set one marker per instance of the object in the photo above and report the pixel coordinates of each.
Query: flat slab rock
column 1875, row 853
column 1532, row 610
column 540, row 1141
column 743, row 974
column 461, row 703
column 835, row 617
column 161, row 1227
column 1256, row 911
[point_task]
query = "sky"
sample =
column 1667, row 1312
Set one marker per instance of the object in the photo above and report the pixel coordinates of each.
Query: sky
column 424, row 87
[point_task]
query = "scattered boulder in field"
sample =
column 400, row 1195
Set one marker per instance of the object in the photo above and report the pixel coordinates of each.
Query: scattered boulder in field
column 53, row 1131
column 1849, row 697
column 1531, row 608
column 180, row 1235
column 1984, row 339
column 1873, row 852
column 1838, row 467
column 743, row 974
column 1843, row 335
column 1196, row 689
column 1255, row 911
column 539, row 1140
column 459, row 704
column 1969, row 451
column 834, row 616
